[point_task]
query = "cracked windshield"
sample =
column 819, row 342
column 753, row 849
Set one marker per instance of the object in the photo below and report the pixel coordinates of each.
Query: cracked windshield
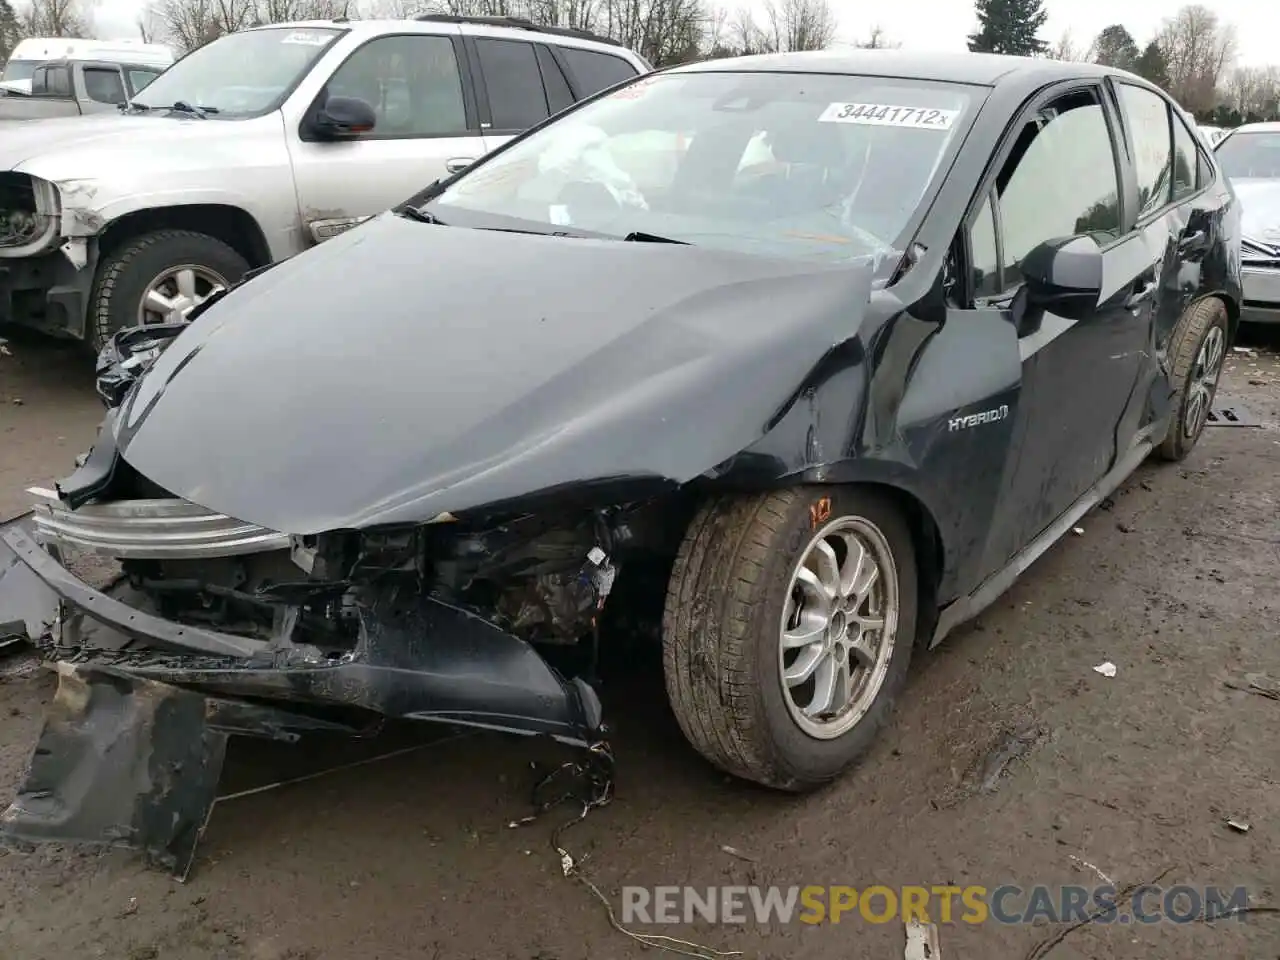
column 241, row 74
column 789, row 165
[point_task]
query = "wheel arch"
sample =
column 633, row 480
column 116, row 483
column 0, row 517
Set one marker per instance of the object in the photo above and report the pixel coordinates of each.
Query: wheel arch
column 926, row 539
column 232, row 225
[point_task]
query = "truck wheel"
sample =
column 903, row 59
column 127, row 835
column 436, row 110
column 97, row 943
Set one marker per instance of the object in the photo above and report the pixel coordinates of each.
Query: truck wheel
column 1197, row 350
column 788, row 630
column 157, row 278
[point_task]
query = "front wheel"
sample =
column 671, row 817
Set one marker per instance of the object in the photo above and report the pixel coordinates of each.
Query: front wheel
column 788, row 630
column 1197, row 350
column 158, row 278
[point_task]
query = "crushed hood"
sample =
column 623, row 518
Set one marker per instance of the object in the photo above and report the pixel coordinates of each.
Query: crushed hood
column 403, row 370
column 1259, row 209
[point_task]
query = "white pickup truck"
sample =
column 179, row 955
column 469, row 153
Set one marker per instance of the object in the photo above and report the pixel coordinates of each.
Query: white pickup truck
column 259, row 145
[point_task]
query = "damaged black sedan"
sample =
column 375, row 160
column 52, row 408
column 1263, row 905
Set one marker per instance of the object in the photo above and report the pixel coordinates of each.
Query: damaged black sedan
column 800, row 360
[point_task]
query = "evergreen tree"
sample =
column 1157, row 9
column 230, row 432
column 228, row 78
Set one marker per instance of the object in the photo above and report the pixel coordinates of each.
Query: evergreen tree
column 9, row 32
column 1009, row 26
column 1153, row 65
column 1115, row 48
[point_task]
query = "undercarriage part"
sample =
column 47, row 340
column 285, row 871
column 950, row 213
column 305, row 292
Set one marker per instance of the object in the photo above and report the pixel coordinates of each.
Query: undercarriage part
column 28, row 214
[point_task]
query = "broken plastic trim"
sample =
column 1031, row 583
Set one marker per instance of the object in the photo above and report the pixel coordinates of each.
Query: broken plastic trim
column 133, row 744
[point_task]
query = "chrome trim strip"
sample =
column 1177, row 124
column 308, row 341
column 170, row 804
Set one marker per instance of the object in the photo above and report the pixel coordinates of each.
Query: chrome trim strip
column 153, row 529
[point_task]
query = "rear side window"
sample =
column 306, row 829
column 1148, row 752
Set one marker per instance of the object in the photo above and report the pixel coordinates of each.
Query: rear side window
column 516, row 97
column 52, row 82
column 103, row 85
column 559, row 96
column 593, row 71
column 1186, row 178
column 1147, row 116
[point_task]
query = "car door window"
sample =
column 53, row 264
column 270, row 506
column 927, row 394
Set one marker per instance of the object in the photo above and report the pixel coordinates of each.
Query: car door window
column 1186, row 161
column 516, row 97
column 413, row 84
column 104, row 85
column 594, row 71
column 1059, row 181
column 1146, row 114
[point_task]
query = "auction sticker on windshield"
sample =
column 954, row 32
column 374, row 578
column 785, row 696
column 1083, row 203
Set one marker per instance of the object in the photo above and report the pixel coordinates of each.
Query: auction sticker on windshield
column 306, row 39
column 888, row 115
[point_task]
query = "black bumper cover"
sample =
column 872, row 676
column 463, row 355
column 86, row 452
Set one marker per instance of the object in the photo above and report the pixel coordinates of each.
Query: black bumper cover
column 134, row 742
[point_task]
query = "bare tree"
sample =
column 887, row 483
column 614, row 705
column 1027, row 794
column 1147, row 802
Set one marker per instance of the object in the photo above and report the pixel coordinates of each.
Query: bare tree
column 188, row 24
column 55, row 18
column 1252, row 92
column 1067, row 49
column 877, row 39
column 287, row 11
column 1198, row 49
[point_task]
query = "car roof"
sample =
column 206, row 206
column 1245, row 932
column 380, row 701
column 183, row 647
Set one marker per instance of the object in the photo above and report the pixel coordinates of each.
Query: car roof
column 1266, row 127
column 451, row 26
column 985, row 69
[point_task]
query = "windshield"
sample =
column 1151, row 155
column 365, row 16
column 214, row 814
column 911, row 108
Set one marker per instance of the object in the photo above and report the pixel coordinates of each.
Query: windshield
column 20, row 69
column 806, row 166
column 241, row 74
column 1246, row 155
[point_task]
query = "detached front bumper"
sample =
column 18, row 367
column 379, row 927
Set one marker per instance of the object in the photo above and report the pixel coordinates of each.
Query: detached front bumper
column 1261, row 294
column 133, row 743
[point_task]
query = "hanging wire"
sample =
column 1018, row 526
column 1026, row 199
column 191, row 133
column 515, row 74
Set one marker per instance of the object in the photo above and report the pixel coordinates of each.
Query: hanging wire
column 590, row 785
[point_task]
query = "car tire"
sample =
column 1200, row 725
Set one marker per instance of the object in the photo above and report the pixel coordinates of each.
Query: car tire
column 1197, row 352
column 129, row 273
column 731, row 586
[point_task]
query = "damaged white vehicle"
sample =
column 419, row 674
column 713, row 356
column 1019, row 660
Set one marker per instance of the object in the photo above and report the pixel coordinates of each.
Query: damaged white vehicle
column 259, row 145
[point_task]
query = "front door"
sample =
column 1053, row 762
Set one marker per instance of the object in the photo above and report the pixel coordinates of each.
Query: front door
column 1060, row 177
column 426, row 128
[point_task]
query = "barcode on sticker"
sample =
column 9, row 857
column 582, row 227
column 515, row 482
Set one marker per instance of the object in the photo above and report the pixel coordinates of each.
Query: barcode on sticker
column 888, row 115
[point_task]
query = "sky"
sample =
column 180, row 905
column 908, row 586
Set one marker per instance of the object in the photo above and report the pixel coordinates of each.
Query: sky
column 944, row 24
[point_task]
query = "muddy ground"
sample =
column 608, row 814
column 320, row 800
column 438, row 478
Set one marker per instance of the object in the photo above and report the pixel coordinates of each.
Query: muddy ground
column 1174, row 581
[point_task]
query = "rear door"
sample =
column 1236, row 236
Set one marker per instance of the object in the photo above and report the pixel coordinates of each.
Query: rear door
column 1176, row 215
column 518, row 84
column 427, row 126
column 1060, row 175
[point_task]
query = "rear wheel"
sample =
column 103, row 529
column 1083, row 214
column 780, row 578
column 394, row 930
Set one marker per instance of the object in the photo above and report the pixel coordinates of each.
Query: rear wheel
column 788, row 630
column 157, row 278
column 1197, row 351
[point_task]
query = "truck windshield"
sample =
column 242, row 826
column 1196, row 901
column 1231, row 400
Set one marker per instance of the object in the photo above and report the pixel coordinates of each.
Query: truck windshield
column 241, row 74
column 810, row 166
column 19, row 70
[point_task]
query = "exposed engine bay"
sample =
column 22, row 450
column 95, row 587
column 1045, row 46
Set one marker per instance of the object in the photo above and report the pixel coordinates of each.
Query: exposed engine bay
column 21, row 223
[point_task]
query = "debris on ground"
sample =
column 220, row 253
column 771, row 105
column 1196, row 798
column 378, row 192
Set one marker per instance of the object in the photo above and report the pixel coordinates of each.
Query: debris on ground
column 1092, row 867
column 922, row 941
column 1256, row 683
column 1239, row 826
column 1011, row 747
column 1107, row 669
column 1078, row 531
column 735, row 852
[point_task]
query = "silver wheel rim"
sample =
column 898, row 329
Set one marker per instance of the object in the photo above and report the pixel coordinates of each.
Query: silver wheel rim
column 1204, row 381
column 839, row 626
column 173, row 294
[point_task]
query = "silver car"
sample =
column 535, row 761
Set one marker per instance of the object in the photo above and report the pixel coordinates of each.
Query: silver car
column 1250, row 157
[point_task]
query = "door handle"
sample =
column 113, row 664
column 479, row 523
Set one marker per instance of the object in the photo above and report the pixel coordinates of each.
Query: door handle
column 458, row 164
column 1136, row 299
column 1191, row 241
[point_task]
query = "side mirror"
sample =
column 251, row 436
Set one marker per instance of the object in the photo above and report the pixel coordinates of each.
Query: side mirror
column 343, row 117
column 1063, row 276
